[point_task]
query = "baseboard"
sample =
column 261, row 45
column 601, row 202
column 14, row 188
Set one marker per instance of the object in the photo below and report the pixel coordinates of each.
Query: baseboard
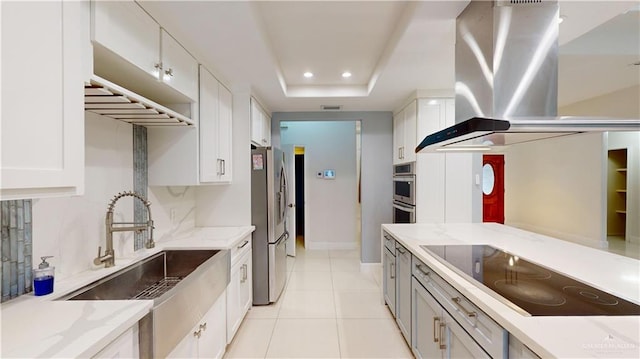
column 633, row 239
column 370, row 267
column 331, row 245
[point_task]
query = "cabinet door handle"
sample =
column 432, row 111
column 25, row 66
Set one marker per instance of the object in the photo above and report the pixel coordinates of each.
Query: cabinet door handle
column 401, row 250
column 457, row 301
column 436, row 320
column 419, row 268
column 246, row 271
column 243, row 244
column 197, row 333
column 392, row 271
column 224, row 167
column 203, row 326
column 440, row 328
column 169, row 72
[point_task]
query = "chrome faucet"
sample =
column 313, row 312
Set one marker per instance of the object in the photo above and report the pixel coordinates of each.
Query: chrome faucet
column 109, row 255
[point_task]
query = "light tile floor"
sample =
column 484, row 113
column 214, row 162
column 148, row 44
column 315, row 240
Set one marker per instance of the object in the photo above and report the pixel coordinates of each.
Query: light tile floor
column 329, row 309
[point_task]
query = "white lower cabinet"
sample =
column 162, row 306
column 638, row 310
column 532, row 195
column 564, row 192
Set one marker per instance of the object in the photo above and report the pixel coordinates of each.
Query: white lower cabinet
column 389, row 280
column 124, row 346
column 517, row 350
column 435, row 333
column 403, row 291
column 239, row 291
column 208, row 338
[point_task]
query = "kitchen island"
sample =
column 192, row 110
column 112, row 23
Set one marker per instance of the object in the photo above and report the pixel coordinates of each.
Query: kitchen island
column 45, row 327
column 546, row 336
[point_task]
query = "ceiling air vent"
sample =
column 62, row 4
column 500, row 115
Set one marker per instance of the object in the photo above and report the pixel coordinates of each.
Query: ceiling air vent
column 331, row 107
column 525, row 2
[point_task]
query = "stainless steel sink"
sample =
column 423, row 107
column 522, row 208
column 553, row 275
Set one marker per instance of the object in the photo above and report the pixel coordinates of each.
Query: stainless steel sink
column 183, row 285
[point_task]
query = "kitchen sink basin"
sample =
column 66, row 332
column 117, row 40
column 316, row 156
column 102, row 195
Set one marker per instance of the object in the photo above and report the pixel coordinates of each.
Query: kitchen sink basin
column 183, row 285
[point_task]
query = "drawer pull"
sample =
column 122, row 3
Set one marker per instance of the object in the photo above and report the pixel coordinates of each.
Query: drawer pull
column 401, row 250
column 442, row 344
column 419, row 268
column 457, row 301
column 436, row 320
column 243, row 244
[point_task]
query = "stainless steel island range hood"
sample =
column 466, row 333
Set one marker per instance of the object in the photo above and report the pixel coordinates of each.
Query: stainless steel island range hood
column 506, row 87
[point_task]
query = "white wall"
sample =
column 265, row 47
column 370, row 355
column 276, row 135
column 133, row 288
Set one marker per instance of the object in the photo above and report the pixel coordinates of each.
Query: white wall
column 630, row 141
column 330, row 205
column 72, row 228
column 558, row 186
column 555, row 187
column 377, row 169
column 230, row 204
column 622, row 103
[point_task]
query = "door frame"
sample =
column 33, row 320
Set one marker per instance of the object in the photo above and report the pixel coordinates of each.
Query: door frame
column 290, row 168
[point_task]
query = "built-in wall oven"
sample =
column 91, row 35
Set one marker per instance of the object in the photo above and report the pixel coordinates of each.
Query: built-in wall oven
column 404, row 193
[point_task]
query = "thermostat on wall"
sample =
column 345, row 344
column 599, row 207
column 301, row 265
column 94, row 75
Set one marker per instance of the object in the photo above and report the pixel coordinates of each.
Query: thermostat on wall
column 329, row 174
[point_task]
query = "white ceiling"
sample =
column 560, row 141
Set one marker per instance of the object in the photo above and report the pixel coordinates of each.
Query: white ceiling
column 392, row 48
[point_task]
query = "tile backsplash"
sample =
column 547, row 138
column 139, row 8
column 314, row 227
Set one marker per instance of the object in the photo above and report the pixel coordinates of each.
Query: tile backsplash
column 16, row 264
column 140, row 182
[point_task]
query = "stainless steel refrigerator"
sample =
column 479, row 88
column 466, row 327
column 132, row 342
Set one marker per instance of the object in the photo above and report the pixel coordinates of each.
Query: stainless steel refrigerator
column 268, row 213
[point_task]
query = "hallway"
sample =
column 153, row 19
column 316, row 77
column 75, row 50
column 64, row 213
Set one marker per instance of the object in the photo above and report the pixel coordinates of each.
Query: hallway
column 329, row 309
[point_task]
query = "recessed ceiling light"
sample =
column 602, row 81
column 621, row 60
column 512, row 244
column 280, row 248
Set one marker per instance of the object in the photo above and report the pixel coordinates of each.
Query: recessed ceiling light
column 308, row 74
column 346, row 74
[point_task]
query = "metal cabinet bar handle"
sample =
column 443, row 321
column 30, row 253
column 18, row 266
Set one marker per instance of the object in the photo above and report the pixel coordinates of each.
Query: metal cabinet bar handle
column 435, row 329
column 392, row 271
column 243, row 244
column 442, row 344
column 457, row 301
column 224, row 167
column 203, row 326
column 419, row 268
column 244, row 273
column 198, row 333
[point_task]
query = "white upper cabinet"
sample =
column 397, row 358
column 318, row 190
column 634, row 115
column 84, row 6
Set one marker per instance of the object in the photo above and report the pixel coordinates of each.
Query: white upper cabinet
column 260, row 125
column 434, row 115
column 179, row 68
column 126, row 30
column 43, row 131
column 195, row 155
column 404, row 134
column 215, row 130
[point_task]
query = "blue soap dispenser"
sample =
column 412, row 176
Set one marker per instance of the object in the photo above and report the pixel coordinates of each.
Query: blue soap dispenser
column 43, row 278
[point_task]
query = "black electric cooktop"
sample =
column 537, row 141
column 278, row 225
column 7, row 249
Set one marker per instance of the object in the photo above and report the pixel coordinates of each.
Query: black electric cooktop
column 537, row 290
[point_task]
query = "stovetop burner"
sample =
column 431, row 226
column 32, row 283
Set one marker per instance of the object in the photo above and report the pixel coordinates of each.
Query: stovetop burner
column 535, row 289
column 587, row 294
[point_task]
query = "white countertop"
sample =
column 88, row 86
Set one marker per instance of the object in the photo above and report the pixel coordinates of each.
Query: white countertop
column 562, row 337
column 43, row 327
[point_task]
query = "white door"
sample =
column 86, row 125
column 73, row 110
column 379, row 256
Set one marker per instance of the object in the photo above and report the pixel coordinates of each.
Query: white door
column 290, row 169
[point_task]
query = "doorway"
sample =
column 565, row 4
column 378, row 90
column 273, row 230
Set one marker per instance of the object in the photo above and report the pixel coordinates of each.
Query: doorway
column 299, row 195
column 493, row 188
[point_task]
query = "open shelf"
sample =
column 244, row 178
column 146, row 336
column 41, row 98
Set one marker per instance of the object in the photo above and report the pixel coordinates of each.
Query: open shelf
column 617, row 192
